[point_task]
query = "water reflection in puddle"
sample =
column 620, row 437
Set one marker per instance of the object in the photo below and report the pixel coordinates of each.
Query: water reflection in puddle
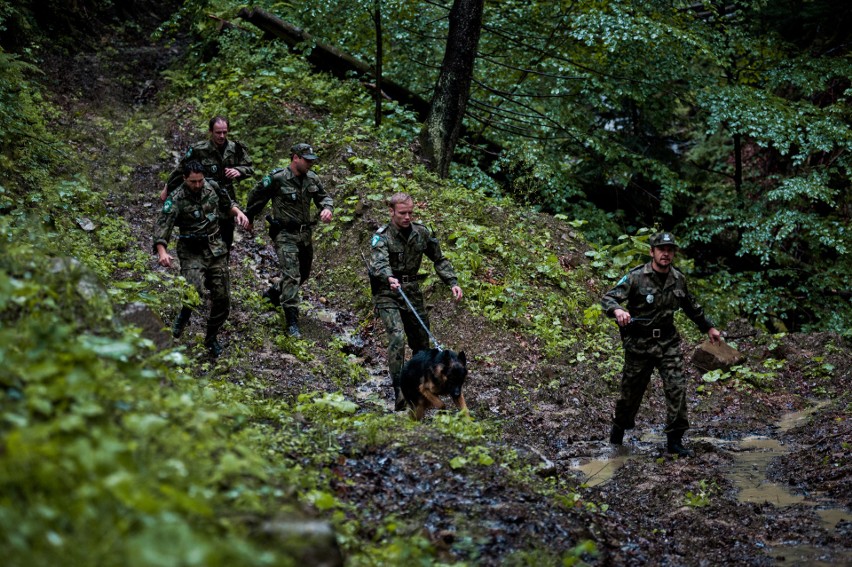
column 598, row 471
column 752, row 461
column 748, row 472
column 752, row 457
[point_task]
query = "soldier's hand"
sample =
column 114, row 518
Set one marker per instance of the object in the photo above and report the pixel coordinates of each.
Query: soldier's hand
column 457, row 293
column 165, row 259
column 393, row 283
column 622, row 317
column 325, row 215
column 164, row 193
column 231, row 173
column 715, row 335
column 241, row 218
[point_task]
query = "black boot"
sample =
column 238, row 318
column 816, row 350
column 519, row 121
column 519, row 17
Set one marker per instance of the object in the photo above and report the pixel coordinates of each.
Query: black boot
column 674, row 444
column 213, row 346
column 292, row 314
column 399, row 399
column 616, row 436
column 181, row 321
column 273, row 296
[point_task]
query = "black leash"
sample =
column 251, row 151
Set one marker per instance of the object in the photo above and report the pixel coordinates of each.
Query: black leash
column 410, row 306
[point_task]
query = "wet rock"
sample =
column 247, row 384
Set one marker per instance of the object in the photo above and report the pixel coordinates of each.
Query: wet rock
column 152, row 328
column 87, row 285
column 352, row 343
column 86, row 224
column 719, row 356
column 310, row 542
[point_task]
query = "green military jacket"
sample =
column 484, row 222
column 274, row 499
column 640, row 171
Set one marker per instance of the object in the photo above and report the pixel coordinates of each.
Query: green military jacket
column 234, row 155
column 394, row 254
column 291, row 197
column 195, row 214
column 652, row 305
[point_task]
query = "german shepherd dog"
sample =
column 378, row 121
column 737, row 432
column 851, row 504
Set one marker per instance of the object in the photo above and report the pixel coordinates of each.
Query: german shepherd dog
column 432, row 373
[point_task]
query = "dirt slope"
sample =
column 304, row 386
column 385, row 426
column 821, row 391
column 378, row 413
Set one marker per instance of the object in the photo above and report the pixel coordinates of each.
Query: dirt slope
column 654, row 510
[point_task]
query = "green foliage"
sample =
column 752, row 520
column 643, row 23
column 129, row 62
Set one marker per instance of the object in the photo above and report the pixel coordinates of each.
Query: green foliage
column 113, row 453
column 614, row 261
column 701, row 496
column 26, row 143
column 116, row 454
column 475, row 455
column 741, row 377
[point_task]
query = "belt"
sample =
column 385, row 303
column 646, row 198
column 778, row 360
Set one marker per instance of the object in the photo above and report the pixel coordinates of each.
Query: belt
column 199, row 237
column 293, row 227
column 652, row 332
column 409, row 279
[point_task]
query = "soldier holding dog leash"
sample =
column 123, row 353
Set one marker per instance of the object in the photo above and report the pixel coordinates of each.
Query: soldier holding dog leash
column 397, row 251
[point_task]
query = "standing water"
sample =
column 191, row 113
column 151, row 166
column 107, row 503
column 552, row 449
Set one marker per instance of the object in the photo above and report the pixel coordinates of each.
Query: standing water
column 755, row 453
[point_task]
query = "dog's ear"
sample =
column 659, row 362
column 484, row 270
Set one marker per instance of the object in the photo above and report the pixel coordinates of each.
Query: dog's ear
column 462, row 358
column 446, row 357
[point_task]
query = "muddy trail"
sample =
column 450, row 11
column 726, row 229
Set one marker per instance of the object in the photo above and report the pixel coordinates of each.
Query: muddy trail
column 769, row 482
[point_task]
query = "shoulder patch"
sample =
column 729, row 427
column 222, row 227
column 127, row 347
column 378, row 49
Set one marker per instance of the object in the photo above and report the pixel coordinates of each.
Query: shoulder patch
column 167, row 206
column 188, row 152
column 375, row 240
column 622, row 280
column 382, row 229
column 267, row 181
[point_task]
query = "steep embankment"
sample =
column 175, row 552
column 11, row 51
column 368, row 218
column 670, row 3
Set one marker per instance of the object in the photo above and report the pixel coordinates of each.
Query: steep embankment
column 503, row 488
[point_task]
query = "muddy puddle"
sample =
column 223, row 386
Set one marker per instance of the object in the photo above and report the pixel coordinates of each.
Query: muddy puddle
column 752, row 457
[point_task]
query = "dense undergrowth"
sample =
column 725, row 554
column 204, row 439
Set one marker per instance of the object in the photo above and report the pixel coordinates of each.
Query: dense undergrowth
column 117, row 453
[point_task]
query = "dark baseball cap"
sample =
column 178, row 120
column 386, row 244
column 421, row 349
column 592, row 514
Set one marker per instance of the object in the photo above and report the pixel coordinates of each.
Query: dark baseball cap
column 663, row 239
column 304, row 151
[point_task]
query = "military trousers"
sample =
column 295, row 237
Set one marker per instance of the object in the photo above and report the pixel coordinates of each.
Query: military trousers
column 208, row 272
column 641, row 356
column 400, row 323
column 226, row 229
column 295, row 256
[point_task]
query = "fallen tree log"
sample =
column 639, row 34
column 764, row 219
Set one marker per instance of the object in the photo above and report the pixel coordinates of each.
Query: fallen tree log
column 328, row 58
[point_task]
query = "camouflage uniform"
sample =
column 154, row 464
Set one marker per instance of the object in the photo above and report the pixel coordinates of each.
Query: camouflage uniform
column 234, row 155
column 395, row 254
column 651, row 340
column 202, row 252
column 291, row 197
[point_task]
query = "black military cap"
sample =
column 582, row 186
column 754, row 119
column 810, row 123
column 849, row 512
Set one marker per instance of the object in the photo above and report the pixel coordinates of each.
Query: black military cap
column 304, row 151
column 663, row 239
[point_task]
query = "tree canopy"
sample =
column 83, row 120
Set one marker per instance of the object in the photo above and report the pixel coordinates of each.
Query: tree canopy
column 727, row 123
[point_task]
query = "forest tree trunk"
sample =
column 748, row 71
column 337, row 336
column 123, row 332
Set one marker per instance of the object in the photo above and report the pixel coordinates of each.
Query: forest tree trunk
column 443, row 124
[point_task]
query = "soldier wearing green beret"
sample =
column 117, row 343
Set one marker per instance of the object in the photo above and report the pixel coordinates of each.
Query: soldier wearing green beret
column 397, row 251
column 225, row 162
column 653, row 293
column 292, row 190
column 195, row 208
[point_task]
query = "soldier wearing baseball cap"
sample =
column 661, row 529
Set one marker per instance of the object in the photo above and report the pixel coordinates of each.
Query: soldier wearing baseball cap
column 651, row 295
column 291, row 190
column 304, row 151
column 663, row 239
